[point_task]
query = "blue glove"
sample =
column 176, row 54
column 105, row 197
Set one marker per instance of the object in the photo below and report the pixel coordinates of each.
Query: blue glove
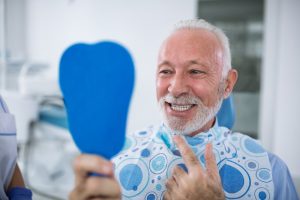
column 19, row 193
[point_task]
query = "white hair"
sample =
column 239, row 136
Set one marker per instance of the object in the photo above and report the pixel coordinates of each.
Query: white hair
column 219, row 33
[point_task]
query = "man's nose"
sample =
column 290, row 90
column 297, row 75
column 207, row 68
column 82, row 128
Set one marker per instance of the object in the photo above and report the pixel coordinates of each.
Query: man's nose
column 178, row 86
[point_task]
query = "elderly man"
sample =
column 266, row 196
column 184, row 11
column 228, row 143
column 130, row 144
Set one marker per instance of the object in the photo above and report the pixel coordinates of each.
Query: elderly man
column 189, row 156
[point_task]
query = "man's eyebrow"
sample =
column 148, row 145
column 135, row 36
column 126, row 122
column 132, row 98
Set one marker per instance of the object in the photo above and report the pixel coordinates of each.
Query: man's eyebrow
column 164, row 63
column 196, row 62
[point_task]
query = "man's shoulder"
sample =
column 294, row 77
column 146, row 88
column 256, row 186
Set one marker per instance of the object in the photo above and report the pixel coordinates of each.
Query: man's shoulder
column 283, row 183
column 278, row 165
column 276, row 161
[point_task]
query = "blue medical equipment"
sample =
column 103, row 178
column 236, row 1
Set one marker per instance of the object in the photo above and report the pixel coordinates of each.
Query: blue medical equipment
column 226, row 114
column 19, row 193
column 97, row 82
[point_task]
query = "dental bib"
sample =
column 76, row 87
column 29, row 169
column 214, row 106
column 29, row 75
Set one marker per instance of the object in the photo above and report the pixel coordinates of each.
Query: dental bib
column 149, row 157
column 97, row 83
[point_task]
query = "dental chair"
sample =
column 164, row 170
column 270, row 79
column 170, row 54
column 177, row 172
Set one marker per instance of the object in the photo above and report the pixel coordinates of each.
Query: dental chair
column 226, row 114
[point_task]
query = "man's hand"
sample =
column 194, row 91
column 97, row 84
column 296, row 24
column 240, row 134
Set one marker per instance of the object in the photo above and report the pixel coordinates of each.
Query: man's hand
column 198, row 183
column 95, row 187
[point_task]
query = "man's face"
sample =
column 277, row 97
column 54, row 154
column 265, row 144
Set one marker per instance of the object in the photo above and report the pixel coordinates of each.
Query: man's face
column 189, row 82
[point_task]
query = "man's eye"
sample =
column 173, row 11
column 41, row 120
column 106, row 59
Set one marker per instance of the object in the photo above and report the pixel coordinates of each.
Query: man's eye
column 195, row 71
column 165, row 71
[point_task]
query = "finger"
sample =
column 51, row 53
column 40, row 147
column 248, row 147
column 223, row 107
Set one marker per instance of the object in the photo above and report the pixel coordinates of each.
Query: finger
column 210, row 160
column 171, row 184
column 167, row 196
column 102, row 187
column 97, row 187
column 178, row 175
column 84, row 164
column 76, row 194
column 189, row 158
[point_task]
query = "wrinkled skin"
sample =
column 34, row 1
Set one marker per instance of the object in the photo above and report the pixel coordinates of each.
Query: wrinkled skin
column 198, row 183
column 190, row 63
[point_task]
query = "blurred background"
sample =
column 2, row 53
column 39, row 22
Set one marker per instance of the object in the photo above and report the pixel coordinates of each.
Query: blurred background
column 265, row 44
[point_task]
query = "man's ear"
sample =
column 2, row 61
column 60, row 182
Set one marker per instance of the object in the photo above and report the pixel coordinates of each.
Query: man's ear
column 231, row 79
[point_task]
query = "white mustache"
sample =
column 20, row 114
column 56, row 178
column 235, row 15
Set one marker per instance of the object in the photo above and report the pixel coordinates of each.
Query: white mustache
column 183, row 99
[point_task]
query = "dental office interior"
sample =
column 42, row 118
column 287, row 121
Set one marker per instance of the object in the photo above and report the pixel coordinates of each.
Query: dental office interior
column 265, row 45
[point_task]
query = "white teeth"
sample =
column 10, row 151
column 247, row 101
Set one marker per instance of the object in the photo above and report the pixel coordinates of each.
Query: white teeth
column 180, row 108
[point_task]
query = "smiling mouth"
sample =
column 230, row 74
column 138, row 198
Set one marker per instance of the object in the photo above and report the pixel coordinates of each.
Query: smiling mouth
column 181, row 107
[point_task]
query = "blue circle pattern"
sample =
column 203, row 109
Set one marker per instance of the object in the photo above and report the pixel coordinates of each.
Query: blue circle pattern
column 236, row 180
column 262, row 194
column 131, row 177
column 151, row 196
column 158, row 187
column 145, row 153
column 252, row 165
column 194, row 141
column 264, row 175
column 253, row 147
column 158, row 164
column 232, row 176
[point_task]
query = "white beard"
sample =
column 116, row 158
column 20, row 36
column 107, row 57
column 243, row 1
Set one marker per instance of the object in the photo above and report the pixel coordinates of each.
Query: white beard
column 203, row 115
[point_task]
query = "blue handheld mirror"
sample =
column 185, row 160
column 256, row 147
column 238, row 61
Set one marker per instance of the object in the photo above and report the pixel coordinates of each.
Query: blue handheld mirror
column 97, row 82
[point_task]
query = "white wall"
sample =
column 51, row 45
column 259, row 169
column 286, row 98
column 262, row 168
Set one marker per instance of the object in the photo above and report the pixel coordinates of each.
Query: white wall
column 280, row 103
column 52, row 25
column 15, row 26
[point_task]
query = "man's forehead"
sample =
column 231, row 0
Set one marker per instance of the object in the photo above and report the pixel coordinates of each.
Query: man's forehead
column 192, row 35
column 190, row 38
column 185, row 41
column 190, row 46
